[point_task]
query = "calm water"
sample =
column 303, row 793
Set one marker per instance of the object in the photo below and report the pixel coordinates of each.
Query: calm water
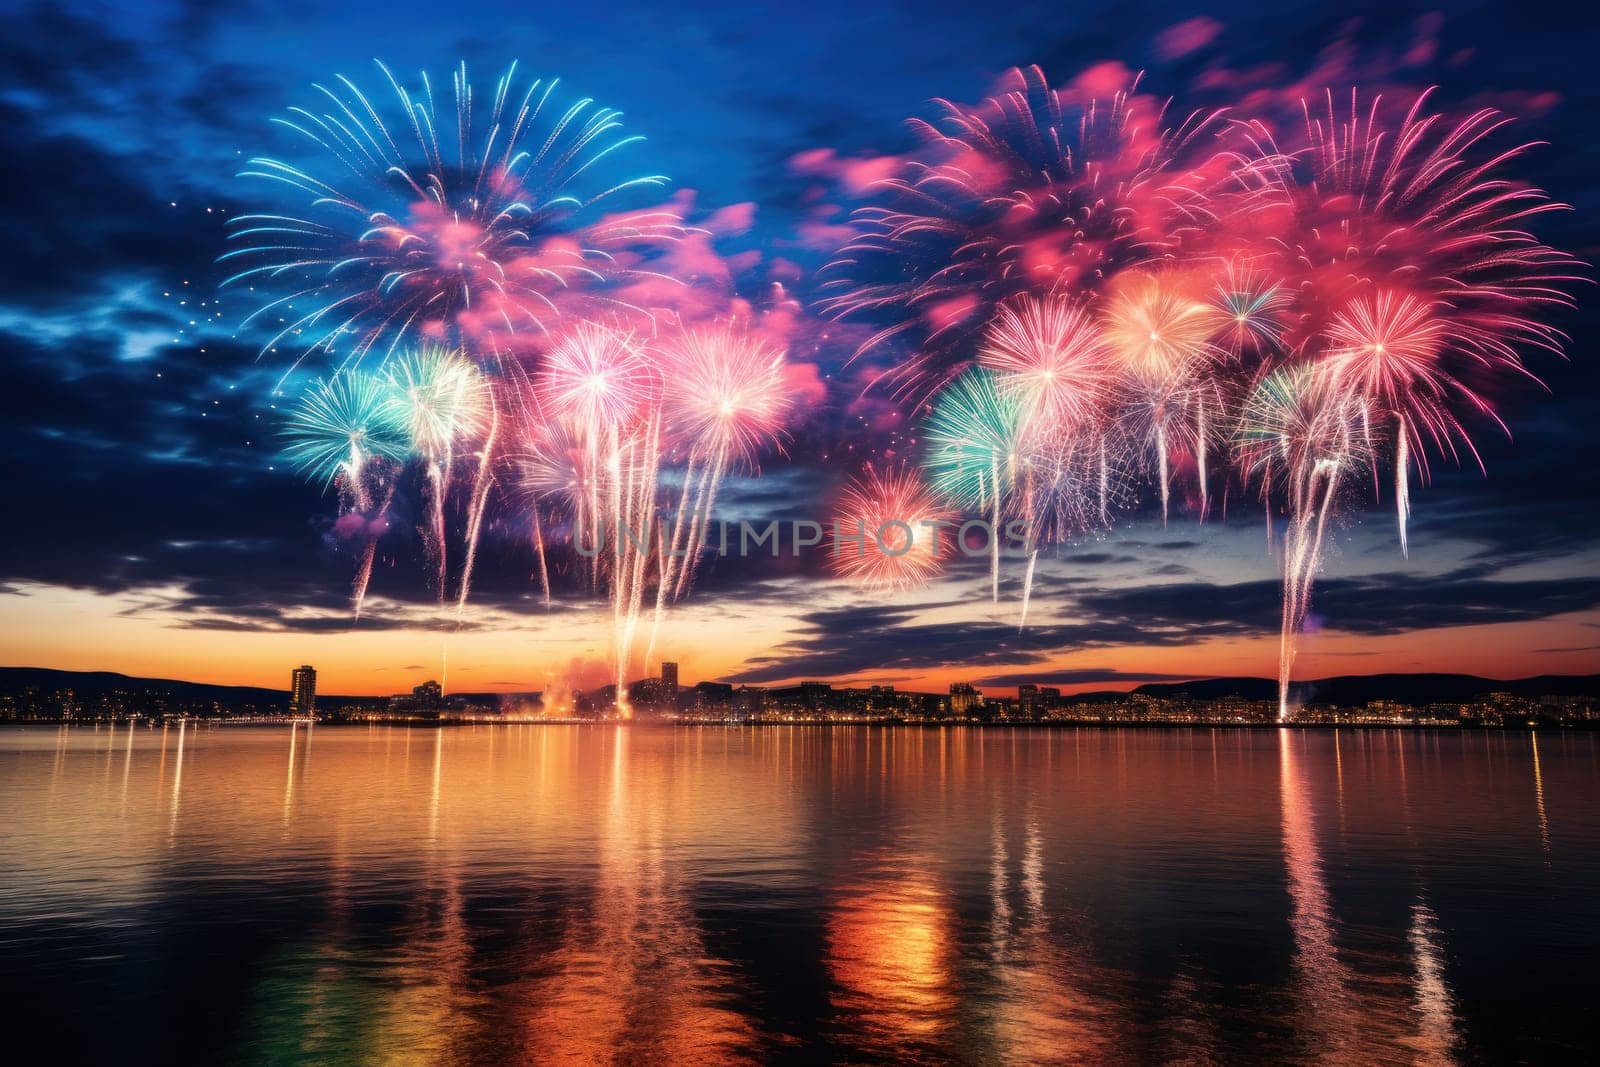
column 602, row 894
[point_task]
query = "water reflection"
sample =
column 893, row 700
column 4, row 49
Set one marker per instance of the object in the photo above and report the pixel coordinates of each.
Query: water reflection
column 1357, row 1001
column 1322, row 992
column 629, row 978
column 1538, row 794
column 634, row 895
column 890, row 955
column 1437, row 1037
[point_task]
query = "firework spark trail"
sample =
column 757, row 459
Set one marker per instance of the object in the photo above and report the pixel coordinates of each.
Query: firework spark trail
column 700, row 525
column 1402, row 490
column 1055, row 505
column 447, row 403
column 1297, row 436
column 669, row 548
column 1161, row 337
column 723, row 394
column 605, row 384
column 480, row 498
column 363, row 576
column 681, row 557
column 538, row 542
column 639, row 520
column 994, row 531
column 555, row 469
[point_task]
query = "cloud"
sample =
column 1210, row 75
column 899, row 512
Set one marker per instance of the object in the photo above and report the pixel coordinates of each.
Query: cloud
column 1187, row 36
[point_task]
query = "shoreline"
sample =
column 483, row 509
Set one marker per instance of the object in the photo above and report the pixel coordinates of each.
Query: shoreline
column 1054, row 724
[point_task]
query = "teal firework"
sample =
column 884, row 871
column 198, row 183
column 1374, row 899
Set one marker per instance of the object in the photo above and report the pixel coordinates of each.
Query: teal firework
column 972, row 440
column 342, row 424
column 443, row 399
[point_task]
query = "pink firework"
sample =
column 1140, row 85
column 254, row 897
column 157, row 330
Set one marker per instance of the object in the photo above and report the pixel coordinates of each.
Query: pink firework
column 725, row 392
column 1408, row 228
column 725, row 397
column 597, row 376
column 1159, row 329
column 886, row 532
column 1051, row 360
column 1386, row 350
column 1033, row 190
column 556, row 466
column 1422, row 205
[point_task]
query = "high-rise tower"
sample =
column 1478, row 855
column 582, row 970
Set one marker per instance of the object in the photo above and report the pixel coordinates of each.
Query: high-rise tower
column 669, row 684
column 303, row 691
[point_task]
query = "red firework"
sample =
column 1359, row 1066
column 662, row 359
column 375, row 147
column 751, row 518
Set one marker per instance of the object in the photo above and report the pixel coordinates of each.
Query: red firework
column 1423, row 206
column 1034, row 190
column 887, row 533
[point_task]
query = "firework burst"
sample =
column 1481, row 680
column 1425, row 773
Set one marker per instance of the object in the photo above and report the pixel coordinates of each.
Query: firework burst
column 974, row 445
column 725, row 391
column 973, row 440
column 1251, row 309
column 725, row 399
column 1385, row 226
column 1160, row 336
column 1033, row 190
column 447, row 405
column 472, row 228
column 885, row 536
column 598, row 376
column 1052, row 360
column 341, row 425
column 351, row 431
column 1386, row 350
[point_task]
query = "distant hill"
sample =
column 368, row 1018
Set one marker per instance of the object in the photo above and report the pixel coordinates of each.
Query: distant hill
column 1357, row 689
column 93, row 684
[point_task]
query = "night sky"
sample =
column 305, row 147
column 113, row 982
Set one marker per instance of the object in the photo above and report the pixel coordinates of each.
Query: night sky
column 155, row 530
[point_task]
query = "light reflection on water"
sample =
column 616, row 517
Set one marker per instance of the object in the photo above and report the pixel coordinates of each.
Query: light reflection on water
column 646, row 895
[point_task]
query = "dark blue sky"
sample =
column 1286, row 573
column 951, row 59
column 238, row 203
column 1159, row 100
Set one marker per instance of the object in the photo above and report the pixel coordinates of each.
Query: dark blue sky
column 137, row 432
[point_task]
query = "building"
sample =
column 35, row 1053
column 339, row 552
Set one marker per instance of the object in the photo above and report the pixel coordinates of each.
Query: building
column 669, row 684
column 881, row 700
column 807, row 698
column 712, row 695
column 303, row 691
column 1028, row 701
column 426, row 699
column 964, row 699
